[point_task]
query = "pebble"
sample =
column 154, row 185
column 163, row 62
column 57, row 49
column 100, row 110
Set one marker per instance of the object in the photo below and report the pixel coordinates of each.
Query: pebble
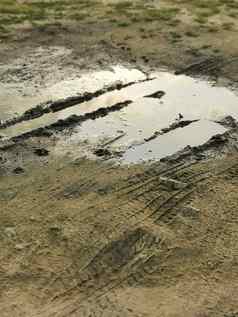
column 10, row 232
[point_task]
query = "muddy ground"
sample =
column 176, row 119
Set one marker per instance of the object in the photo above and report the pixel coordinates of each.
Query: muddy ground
column 82, row 235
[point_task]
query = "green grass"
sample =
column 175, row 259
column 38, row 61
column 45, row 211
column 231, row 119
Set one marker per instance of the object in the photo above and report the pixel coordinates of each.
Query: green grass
column 121, row 14
column 175, row 35
column 174, row 22
column 79, row 16
column 191, row 34
column 123, row 24
column 38, row 12
column 123, row 5
column 212, row 29
column 163, row 14
column 201, row 20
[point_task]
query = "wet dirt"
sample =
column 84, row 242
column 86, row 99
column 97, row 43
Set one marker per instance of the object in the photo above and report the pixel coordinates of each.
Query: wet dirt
column 148, row 127
column 141, row 129
column 19, row 95
column 83, row 237
column 193, row 135
column 24, row 81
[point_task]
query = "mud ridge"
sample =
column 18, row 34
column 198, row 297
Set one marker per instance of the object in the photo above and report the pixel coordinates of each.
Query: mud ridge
column 68, row 122
column 206, row 66
column 228, row 122
column 158, row 94
column 54, row 106
column 175, row 125
column 218, row 145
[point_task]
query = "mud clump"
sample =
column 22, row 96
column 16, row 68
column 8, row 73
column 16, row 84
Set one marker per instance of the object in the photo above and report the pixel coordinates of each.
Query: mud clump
column 228, row 122
column 102, row 152
column 18, row 170
column 173, row 126
column 41, row 152
column 158, row 94
column 217, row 145
column 172, row 184
column 217, row 140
column 178, row 124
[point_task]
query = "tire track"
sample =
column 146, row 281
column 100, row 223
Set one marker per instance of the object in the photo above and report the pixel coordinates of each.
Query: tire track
column 180, row 196
column 185, row 194
column 113, row 283
column 101, row 292
column 91, row 261
column 142, row 184
column 117, row 227
column 58, row 105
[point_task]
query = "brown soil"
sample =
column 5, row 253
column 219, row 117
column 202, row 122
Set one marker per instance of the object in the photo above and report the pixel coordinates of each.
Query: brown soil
column 84, row 237
column 89, row 238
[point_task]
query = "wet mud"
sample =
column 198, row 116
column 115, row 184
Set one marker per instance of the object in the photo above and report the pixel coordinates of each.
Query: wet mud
column 208, row 66
column 54, row 106
column 118, row 158
column 166, row 145
column 71, row 121
column 148, row 119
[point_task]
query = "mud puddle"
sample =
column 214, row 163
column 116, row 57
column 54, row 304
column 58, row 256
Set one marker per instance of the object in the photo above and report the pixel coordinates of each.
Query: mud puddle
column 193, row 135
column 153, row 128
column 151, row 118
column 19, row 94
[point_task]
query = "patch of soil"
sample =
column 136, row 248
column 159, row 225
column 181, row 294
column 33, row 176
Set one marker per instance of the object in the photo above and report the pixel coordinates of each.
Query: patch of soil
column 124, row 233
column 89, row 238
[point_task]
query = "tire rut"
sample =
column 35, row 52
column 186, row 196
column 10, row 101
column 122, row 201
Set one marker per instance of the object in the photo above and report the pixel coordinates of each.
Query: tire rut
column 164, row 212
column 58, row 105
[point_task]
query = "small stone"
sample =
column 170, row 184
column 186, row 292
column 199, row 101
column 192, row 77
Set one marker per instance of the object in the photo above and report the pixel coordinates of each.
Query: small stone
column 189, row 211
column 10, row 232
column 172, row 184
column 55, row 228
column 18, row 170
column 20, row 246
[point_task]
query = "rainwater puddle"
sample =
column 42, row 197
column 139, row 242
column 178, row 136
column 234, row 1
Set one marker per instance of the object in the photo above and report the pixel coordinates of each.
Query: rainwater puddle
column 17, row 97
column 193, row 135
column 183, row 99
column 128, row 128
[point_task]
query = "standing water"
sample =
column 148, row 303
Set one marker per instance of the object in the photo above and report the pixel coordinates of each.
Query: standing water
column 142, row 128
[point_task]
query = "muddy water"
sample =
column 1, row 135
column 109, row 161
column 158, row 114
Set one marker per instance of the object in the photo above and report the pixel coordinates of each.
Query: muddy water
column 195, row 134
column 193, row 99
column 17, row 97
